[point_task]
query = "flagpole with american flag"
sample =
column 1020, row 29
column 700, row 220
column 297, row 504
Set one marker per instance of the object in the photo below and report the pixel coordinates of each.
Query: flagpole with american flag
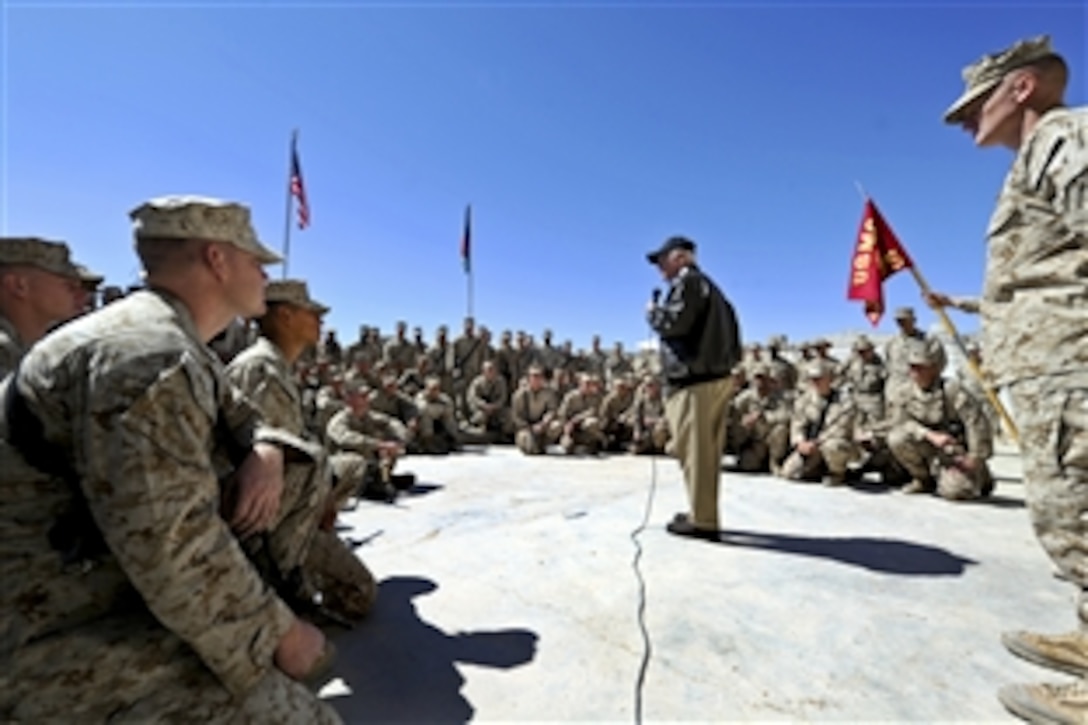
column 296, row 190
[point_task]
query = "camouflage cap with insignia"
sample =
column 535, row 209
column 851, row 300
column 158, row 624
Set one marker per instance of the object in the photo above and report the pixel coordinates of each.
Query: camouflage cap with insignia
column 44, row 254
column 986, row 73
column 918, row 353
column 904, row 313
column 761, row 370
column 293, row 292
column 203, row 218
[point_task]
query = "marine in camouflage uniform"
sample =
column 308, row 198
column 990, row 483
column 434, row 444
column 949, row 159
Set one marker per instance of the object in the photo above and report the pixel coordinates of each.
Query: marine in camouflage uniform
column 489, row 411
column 940, row 434
column 534, row 410
column 896, row 351
column 649, row 425
column 371, row 443
column 760, row 425
column 821, row 429
column 615, row 414
column 579, row 417
column 262, row 372
column 439, row 432
column 128, row 591
column 864, row 375
column 39, row 287
column 1034, row 326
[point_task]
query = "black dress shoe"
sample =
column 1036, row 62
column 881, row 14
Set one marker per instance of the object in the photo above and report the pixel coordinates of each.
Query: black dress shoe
column 684, row 527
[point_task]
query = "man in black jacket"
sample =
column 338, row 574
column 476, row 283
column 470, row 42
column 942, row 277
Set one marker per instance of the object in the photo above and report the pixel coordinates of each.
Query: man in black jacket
column 700, row 344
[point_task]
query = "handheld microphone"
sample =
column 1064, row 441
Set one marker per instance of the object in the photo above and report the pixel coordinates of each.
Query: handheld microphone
column 656, row 295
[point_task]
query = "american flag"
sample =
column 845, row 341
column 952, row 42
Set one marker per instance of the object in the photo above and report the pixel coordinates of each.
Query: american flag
column 298, row 190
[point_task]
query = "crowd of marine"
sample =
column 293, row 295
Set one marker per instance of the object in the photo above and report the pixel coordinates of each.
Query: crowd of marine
column 797, row 412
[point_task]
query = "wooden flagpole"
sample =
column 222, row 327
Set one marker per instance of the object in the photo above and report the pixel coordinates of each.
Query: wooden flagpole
column 951, row 330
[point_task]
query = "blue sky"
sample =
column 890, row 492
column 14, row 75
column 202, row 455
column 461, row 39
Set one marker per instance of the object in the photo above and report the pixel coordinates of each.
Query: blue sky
column 582, row 135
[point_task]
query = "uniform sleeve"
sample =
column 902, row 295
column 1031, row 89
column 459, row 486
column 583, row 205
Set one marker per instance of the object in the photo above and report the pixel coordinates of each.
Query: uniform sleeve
column 155, row 496
column 345, row 437
column 472, row 396
column 518, row 407
column 967, row 304
column 274, row 405
column 980, row 437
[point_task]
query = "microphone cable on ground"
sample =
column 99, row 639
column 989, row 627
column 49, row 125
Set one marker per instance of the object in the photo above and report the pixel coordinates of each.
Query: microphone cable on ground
column 647, row 648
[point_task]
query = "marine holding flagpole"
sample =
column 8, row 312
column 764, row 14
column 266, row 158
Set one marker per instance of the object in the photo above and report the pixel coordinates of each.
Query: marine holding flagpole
column 700, row 344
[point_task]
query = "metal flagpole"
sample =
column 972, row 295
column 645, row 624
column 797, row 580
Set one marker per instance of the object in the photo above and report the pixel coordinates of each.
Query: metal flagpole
column 290, row 195
column 951, row 330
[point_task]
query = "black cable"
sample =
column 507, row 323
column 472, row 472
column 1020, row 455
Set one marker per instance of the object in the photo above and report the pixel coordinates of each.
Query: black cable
column 647, row 648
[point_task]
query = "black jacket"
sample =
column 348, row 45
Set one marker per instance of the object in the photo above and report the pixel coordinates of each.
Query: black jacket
column 700, row 336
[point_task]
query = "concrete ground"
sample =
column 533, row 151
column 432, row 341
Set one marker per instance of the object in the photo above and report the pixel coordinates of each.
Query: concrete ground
column 508, row 594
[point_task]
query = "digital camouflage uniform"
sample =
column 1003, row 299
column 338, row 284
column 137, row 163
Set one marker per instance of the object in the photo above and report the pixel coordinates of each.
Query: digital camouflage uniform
column 534, row 414
column 829, row 422
column 948, row 408
column 132, row 398
column 263, row 375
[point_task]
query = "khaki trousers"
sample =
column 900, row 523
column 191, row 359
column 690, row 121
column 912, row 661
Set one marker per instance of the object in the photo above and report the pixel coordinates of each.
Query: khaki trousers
column 697, row 419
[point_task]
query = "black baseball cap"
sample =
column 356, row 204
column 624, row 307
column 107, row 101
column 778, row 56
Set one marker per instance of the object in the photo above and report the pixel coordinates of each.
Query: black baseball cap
column 672, row 243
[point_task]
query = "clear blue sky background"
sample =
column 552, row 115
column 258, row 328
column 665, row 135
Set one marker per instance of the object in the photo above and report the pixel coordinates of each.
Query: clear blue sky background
column 581, row 135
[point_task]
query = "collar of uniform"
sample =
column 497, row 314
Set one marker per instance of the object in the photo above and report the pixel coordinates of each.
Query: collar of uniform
column 269, row 349
column 6, row 327
column 184, row 317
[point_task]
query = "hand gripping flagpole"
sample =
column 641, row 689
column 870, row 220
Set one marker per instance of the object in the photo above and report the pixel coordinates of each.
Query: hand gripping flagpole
column 951, row 330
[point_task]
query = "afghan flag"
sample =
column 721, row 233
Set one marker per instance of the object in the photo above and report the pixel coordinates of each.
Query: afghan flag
column 466, row 241
column 878, row 255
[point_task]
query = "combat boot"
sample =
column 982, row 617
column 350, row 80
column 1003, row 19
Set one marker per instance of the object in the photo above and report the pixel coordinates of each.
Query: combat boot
column 1047, row 703
column 1063, row 652
column 919, row 486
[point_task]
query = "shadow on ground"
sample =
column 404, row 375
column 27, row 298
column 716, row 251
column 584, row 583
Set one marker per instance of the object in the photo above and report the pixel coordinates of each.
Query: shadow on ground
column 399, row 668
column 887, row 556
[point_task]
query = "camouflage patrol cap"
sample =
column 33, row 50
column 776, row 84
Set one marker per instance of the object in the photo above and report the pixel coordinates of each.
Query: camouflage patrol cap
column 904, row 313
column 293, row 292
column 203, row 218
column 355, row 386
column 818, row 369
column 762, row 370
column 918, row 353
column 863, row 343
column 776, row 342
column 986, row 73
column 88, row 278
column 821, row 342
column 43, row 254
column 535, row 370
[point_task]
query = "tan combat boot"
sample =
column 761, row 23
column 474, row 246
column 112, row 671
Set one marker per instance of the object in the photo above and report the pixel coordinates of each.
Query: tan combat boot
column 1063, row 652
column 1047, row 703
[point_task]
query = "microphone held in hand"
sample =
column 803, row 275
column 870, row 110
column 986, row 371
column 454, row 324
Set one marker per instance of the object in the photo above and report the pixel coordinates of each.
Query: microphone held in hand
column 656, row 295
